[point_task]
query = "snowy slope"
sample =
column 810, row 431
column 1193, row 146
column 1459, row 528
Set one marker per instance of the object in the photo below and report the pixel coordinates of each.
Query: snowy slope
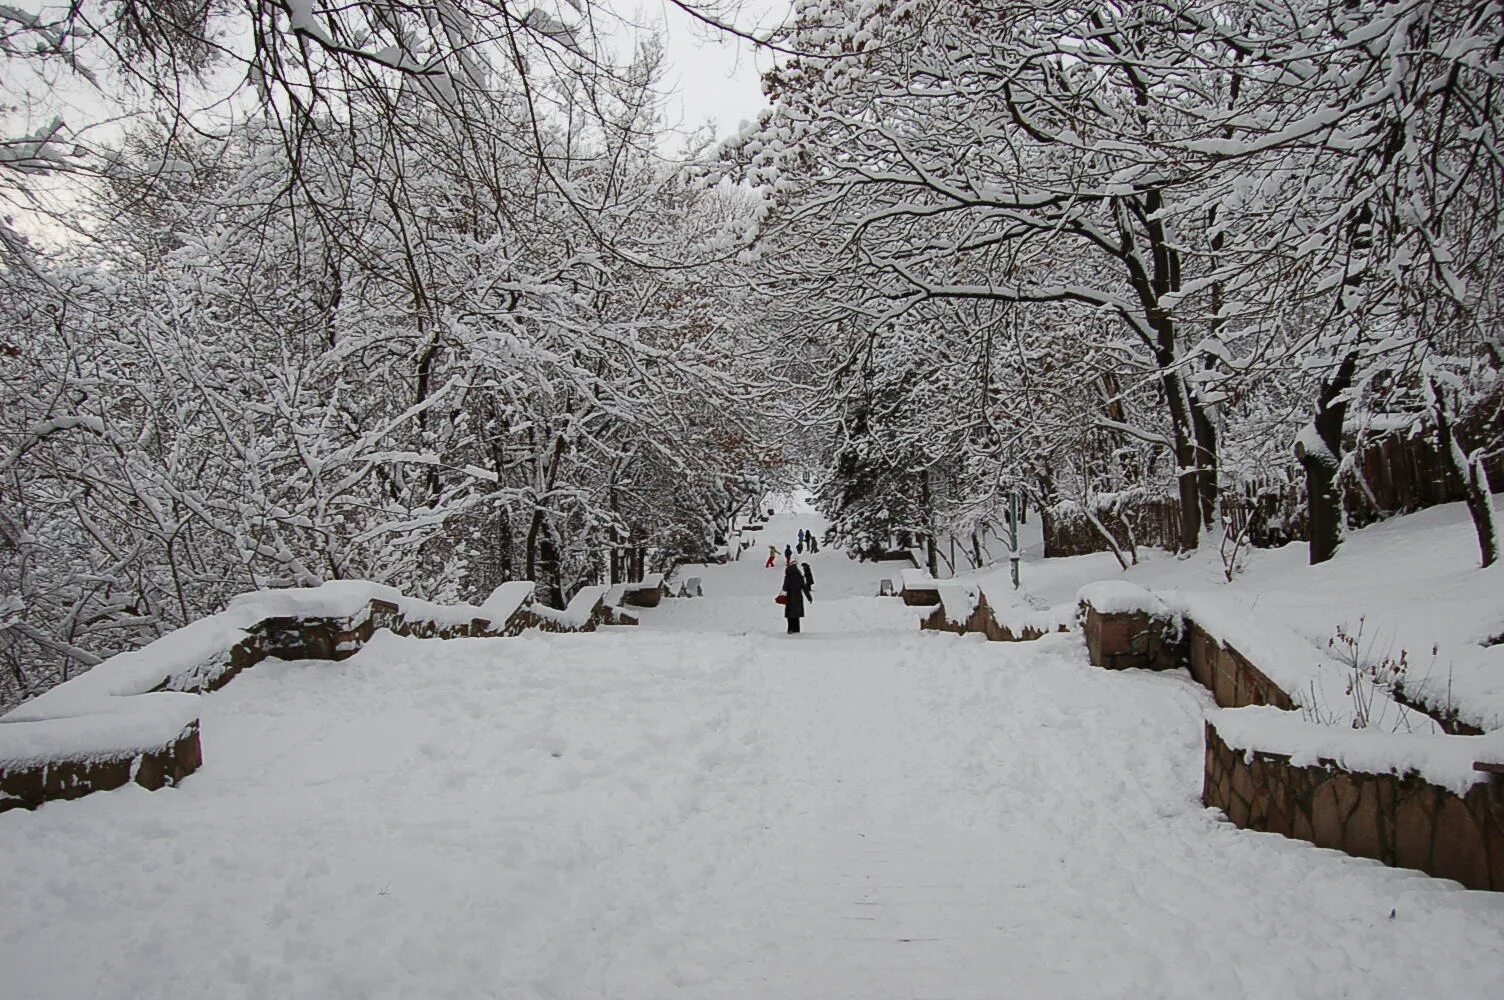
column 699, row 808
column 1412, row 584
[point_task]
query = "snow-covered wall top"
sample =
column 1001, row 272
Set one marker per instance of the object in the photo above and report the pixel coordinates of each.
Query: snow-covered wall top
column 917, row 579
column 1313, row 678
column 1119, row 597
column 958, row 599
column 580, row 608
column 120, row 727
column 175, row 655
column 1442, row 760
column 137, row 702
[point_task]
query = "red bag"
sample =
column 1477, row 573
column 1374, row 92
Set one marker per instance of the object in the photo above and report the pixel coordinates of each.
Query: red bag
column 781, row 599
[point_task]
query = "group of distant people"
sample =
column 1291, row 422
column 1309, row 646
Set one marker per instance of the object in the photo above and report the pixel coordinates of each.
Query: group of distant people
column 806, row 540
column 798, row 579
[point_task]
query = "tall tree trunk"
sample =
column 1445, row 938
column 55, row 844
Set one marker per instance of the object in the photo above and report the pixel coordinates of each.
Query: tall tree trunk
column 1151, row 286
column 1470, row 470
column 548, row 565
column 1319, row 450
column 550, row 476
column 532, row 544
column 932, row 557
column 504, row 544
column 1206, row 462
column 1187, row 487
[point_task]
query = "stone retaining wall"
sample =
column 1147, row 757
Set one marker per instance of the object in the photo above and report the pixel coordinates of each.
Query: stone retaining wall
column 646, row 594
column 1132, row 640
column 981, row 620
column 1401, row 820
column 72, row 778
column 1144, row 640
column 919, row 597
column 1233, row 681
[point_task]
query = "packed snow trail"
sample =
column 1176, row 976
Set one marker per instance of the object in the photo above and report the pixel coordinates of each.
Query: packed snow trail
column 704, row 808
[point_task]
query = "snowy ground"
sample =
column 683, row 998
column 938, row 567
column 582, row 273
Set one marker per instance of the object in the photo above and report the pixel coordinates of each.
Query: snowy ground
column 706, row 808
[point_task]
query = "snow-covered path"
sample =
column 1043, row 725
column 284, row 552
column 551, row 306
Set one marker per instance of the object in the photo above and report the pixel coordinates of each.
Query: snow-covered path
column 705, row 808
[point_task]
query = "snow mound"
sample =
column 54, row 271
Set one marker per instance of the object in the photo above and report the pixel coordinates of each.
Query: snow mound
column 147, row 698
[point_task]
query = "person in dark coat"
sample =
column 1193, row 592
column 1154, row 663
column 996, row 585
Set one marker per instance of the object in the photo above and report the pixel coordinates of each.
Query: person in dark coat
column 797, row 591
column 788, row 552
column 809, row 580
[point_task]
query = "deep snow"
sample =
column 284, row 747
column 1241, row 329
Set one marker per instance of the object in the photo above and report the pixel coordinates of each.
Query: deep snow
column 705, row 808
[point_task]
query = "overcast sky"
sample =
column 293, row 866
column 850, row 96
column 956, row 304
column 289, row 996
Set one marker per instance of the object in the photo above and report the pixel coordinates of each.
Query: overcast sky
column 716, row 76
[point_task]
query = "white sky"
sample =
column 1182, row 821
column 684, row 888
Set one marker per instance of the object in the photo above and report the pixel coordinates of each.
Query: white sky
column 716, row 77
column 712, row 77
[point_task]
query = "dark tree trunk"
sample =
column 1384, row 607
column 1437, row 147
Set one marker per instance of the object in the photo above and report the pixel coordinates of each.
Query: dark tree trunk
column 532, row 544
column 504, row 544
column 1322, row 463
column 1475, row 487
column 1187, row 489
column 932, row 558
column 548, row 564
column 1206, row 463
column 1151, row 288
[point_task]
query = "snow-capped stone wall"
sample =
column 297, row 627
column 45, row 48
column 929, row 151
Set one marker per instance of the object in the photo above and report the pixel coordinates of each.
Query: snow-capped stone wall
column 134, row 718
column 919, row 590
column 646, row 593
column 1128, row 627
column 1391, row 813
column 1425, row 800
column 963, row 609
column 1231, row 677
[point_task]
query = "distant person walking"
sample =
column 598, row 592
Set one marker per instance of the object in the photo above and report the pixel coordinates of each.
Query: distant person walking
column 772, row 557
column 788, row 553
column 795, row 592
column 814, row 546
